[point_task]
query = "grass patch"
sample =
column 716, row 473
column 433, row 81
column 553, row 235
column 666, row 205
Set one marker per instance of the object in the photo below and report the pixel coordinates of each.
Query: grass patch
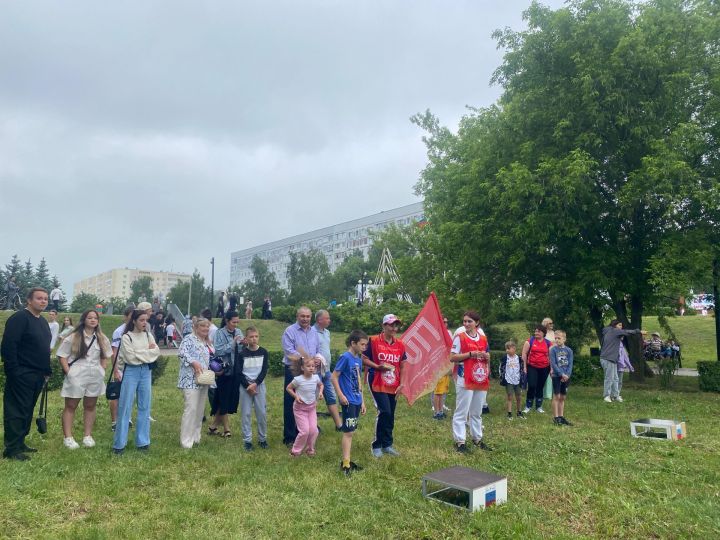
column 591, row 480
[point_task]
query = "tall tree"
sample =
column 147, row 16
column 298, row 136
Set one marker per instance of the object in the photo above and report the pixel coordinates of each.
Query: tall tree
column 198, row 296
column 42, row 276
column 84, row 301
column 141, row 287
column 263, row 283
column 572, row 182
column 308, row 277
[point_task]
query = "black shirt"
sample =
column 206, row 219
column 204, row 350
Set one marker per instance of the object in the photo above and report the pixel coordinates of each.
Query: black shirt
column 240, row 364
column 26, row 343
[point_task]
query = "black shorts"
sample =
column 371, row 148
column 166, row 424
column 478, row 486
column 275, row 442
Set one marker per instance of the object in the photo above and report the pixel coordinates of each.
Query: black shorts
column 559, row 387
column 350, row 414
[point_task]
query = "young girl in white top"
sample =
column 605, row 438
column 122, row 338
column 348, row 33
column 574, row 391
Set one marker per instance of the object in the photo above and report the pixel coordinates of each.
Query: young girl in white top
column 304, row 388
column 170, row 334
column 83, row 357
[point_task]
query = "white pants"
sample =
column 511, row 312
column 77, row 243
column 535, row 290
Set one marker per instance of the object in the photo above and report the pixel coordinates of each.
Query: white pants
column 468, row 402
column 191, row 423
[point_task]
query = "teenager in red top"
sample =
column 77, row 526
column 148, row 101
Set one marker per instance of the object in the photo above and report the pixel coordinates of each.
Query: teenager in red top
column 383, row 357
column 536, row 356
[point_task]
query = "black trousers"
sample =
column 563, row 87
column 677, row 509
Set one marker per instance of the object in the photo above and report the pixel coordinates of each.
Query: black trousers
column 56, row 305
column 22, row 389
column 289, row 428
column 536, row 378
column 385, row 422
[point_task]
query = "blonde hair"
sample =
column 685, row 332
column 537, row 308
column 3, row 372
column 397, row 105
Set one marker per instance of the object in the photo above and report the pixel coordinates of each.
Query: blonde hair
column 561, row 333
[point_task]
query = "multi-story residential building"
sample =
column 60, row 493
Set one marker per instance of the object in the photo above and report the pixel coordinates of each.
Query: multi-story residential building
column 336, row 242
column 116, row 282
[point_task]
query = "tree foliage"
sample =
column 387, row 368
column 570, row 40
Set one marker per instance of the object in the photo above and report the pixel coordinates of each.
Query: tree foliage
column 308, row 277
column 199, row 296
column 601, row 143
column 84, row 301
column 142, row 286
column 263, row 283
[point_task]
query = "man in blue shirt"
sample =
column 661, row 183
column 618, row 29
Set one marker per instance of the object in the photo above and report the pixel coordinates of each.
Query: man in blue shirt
column 322, row 321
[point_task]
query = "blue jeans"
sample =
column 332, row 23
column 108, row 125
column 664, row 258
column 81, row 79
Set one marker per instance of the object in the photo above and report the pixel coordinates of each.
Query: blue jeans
column 136, row 381
column 328, row 389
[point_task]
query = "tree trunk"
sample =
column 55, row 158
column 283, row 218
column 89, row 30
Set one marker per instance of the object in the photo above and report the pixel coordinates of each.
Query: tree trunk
column 597, row 322
column 636, row 341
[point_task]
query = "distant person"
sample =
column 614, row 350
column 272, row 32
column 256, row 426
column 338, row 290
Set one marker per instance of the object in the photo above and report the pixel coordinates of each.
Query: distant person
column 248, row 309
column 66, row 328
column 83, row 358
column 56, row 297
column 298, row 341
column 158, row 327
column 194, row 356
column 156, row 307
column 267, row 308
column 207, row 314
column 11, row 289
column 142, row 298
column 25, row 351
column 561, row 365
column 232, row 302
column 251, row 367
column 220, row 310
column 609, row 353
column 54, row 327
column 137, row 351
column 170, row 334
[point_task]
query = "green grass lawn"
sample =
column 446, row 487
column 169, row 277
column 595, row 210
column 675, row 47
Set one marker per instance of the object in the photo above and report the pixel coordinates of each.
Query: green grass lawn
column 591, row 480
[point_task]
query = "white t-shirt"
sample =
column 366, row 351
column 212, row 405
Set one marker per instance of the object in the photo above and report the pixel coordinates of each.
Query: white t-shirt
column 213, row 329
column 305, row 388
column 512, row 370
column 117, row 335
column 54, row 330
column 56, row 294
column 170, row 330
column 461, row 330
column 456, row 340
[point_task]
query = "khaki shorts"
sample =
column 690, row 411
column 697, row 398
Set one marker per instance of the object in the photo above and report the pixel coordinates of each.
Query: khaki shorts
column 85, row 379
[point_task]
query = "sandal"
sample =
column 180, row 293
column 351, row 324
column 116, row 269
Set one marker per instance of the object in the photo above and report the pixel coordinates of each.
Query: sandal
column 227, row 435
column 213, row 431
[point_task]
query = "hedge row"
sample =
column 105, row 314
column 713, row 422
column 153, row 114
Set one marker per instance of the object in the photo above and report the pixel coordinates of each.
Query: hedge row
column 709, row 376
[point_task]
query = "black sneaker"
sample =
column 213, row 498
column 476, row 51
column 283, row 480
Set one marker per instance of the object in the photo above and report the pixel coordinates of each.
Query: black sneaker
column 248, row 446
column 564, row 421
column 509, row 416
column 145, row 448
column 29, row 450
column 521, row 414
column 347, row 471
column 482, row 446
column 462, row 448
column 17, row 457
column 263, row 445
column 355, row 467
column 118, row 451
column 557, row 421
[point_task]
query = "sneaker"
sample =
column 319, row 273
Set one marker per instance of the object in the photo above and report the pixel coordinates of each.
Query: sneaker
column 118, row 451
column 376, row 452
column 482, row 446
column 28, row 450
column 509, row 416
column 130, row 424
column 145, row 448
column 462, row 448
column 540, row 410
column 70, row 443
column 526, row 410
column 438, row 416
column 347, row 471
column 619, row 398
column 88, row 442
column 263, row 445
column 112, row 426
column 557, row 421
column 608, row 399
column 355, row 467
column 390, row 451
column 248, row 446
column 521, row 414
column 151, row 418
column 17, row 457
column 564, row 421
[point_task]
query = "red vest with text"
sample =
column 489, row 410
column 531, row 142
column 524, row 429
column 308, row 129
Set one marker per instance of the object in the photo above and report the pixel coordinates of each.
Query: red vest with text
column 476, row 371
column 386, row 353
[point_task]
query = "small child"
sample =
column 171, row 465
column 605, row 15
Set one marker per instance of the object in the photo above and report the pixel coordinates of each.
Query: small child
column 561, row 364
column 438, row 397
column 304, row 388
column 347, row 380
column 252, row 366
column 512, row 377
column 170, row 335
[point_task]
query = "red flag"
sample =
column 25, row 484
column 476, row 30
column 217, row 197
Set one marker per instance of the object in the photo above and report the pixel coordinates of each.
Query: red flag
column 427, row 344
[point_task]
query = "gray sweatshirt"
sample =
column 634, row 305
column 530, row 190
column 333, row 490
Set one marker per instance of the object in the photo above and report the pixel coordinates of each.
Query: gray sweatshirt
column 611, row 342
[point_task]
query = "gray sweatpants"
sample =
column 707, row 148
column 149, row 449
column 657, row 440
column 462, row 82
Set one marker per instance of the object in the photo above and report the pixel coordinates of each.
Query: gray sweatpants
column 247, row 404
column 611, row 383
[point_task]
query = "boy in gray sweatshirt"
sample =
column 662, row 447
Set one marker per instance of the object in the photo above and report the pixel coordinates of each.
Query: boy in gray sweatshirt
column 561, row 364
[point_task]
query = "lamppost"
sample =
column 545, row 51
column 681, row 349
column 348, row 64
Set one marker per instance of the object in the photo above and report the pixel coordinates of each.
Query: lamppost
column 212, row 282
column 362, row 284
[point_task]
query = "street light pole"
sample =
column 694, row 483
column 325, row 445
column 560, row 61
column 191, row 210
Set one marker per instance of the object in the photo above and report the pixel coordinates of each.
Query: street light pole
column 212, row 283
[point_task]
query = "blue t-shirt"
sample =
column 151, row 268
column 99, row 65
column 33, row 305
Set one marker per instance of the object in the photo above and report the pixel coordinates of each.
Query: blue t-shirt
column 350, row 369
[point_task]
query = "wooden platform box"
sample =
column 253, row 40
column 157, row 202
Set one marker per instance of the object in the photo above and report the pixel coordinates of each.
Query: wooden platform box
column 654, row 428
column 466, row 488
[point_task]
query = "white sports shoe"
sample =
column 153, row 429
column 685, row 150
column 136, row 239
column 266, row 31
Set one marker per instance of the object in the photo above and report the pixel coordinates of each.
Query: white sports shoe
column 619, row 398
column 608, row 399
column 526, row 410
column 70, row 443
column 540, row 410
column 88, row 442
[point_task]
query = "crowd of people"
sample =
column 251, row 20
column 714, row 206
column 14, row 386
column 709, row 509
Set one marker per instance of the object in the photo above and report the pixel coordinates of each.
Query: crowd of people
column 227, row 368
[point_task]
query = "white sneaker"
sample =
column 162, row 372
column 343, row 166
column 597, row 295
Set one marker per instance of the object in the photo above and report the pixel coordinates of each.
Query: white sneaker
column 526, row 410
column 88, row 442
column 608, row 399
column 540, row 410
column 619, row 398
column 70, row 443
column 151, row 418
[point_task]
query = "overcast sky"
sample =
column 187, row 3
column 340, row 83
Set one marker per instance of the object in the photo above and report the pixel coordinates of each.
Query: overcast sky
column 159, row 134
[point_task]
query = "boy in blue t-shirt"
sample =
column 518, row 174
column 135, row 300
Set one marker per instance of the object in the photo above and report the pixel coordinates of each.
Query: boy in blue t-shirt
column 347, row 381
column 561, row 364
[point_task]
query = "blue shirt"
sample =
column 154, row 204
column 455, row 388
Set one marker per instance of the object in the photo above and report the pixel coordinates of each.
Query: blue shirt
column 295, row 338
column 350, row 367
column 323, row 343
column 561, row 360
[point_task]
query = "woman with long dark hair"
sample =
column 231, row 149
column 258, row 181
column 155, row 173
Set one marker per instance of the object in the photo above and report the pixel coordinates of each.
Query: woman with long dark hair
column 137, row 351
column 83, row 356
column 226, row 398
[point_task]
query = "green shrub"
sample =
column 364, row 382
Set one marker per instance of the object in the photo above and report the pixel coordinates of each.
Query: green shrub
column 159, row 370
column 709, row 376
column 275, row 365
column 586, row 370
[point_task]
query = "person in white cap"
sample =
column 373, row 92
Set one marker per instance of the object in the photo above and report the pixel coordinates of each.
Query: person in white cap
column 383, row 357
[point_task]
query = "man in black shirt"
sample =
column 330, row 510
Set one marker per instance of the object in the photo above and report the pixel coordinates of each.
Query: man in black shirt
column 25, row 352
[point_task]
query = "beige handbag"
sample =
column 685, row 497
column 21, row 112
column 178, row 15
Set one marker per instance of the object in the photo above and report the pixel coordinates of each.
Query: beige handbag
column 207, row 377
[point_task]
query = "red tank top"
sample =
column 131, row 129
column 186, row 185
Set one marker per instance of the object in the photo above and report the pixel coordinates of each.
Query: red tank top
column 387, row 353
column 539, row 353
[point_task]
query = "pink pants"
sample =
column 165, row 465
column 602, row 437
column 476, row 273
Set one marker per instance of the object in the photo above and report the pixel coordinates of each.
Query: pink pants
column 306, row 421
